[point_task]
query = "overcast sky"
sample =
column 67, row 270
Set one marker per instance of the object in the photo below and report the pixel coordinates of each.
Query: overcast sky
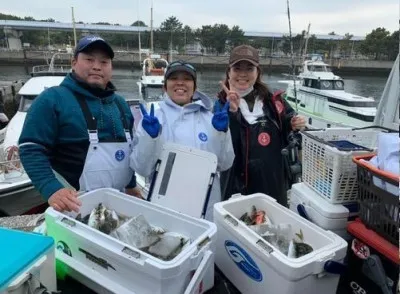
column 357, row 17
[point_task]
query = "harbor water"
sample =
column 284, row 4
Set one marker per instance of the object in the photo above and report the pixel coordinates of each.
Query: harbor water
column 208, row 81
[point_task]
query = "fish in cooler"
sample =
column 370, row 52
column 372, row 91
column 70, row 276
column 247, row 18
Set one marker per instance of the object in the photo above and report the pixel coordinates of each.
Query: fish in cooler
column 136, row 232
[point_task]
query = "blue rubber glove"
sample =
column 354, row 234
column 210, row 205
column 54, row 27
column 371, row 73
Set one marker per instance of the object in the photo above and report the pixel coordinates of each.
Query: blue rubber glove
column 150, row 123
column 220, row 120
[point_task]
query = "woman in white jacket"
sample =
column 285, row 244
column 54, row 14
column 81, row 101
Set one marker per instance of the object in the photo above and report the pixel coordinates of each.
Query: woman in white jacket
column 183, row 117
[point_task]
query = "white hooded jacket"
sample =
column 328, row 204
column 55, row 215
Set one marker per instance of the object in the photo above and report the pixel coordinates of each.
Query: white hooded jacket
column 188, row 125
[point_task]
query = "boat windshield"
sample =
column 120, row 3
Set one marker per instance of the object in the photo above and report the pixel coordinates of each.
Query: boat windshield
column 324, row 84
column 319, row 68
column 25, row 102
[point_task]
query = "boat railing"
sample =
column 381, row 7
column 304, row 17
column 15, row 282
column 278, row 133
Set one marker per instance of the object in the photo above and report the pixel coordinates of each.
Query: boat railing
column 52, row 67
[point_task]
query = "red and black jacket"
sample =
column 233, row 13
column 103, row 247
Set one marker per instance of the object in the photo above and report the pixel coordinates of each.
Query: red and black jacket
column 258, row 166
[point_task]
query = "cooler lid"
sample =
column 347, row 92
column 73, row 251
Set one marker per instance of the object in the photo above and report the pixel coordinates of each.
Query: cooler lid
column 318, row 203
column 19, row 250
column 183, row 179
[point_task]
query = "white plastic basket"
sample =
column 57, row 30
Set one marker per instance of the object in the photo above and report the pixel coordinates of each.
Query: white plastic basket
column 329, row 170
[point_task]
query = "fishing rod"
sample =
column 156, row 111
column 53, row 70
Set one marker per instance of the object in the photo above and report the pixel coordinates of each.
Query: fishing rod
column 292, row 57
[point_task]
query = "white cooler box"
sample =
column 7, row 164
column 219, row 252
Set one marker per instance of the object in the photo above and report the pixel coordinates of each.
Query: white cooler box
column 333, row 217
column 106, row 264
column 254, row 266
column 27, row 262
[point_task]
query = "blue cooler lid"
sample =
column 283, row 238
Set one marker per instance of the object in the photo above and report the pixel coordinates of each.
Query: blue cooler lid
column 18, row 250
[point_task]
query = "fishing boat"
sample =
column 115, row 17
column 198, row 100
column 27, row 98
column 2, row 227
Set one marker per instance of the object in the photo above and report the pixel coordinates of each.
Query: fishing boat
column 17, row 194
column 319, row 95
column 153, row 72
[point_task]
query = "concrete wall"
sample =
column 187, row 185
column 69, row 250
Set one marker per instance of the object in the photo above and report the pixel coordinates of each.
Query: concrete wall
column 129, row 59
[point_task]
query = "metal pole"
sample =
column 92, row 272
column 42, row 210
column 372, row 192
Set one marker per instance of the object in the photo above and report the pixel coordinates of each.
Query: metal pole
column 73, row 25
column 291, row 54
column 306, row 45
column 272, row 46
column 48, row 38
column 151, row 28
column 140, row 45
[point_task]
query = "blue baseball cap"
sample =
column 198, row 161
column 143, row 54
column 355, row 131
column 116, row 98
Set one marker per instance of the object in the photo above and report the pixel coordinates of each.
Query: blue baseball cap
column 90, row 42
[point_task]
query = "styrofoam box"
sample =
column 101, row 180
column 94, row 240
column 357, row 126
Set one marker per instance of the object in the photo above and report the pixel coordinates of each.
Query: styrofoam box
column 107, row 265
column 332, row 217
column 254, row 266
column 26, row 261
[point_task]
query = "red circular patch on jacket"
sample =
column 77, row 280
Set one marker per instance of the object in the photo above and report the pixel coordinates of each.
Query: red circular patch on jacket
column 264, row 139
column 279, row 106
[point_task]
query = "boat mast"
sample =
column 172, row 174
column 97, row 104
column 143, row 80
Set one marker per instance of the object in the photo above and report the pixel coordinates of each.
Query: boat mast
column 306, row 44
column 73, row 25
column 291, row 56
column 140, row 45
column 151, row 28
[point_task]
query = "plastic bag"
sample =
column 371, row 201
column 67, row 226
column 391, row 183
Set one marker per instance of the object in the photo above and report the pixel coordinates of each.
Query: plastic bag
column 137, row 232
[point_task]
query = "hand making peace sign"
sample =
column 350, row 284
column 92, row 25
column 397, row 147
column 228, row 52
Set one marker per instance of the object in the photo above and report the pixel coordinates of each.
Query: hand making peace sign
column 220, row 120
column 150, row 122
column 232, row 96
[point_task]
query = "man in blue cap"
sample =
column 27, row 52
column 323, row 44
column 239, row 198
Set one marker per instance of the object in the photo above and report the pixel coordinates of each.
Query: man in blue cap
column 78, row 136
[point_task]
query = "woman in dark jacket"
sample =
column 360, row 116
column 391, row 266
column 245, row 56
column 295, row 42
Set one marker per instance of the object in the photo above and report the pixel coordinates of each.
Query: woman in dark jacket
column 260, row 123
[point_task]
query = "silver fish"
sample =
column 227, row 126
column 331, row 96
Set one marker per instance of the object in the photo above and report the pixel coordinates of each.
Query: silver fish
column 97, row 216
column 103, row 219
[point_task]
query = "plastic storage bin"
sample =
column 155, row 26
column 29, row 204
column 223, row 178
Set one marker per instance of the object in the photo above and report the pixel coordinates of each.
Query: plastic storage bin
column 372, row 263
column 26, row 261
column 310, row 205
column 327, row 168
column 254, row 266
column 106, row 264
column 379, row 209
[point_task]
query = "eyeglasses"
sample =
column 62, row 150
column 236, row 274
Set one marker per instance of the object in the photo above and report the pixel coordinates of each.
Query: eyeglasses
column 178, row 63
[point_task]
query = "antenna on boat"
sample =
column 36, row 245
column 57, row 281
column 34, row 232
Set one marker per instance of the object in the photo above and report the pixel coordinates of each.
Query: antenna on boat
column 291, row 56
column 306, row 43
column 73, row 25
column 140, row 45
column 151, row 28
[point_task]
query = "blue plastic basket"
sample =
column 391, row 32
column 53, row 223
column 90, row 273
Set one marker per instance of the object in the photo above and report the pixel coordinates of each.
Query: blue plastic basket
column 345, row 145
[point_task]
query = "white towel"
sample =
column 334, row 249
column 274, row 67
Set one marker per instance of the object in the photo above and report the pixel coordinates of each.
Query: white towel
column 251, row 116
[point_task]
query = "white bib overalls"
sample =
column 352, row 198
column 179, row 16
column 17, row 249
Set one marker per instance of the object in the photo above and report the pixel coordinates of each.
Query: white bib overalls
column 107, row 163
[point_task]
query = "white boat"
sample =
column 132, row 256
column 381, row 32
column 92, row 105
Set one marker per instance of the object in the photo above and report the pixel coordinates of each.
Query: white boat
column 153, row 72
column 17, row 194
column 321, row 98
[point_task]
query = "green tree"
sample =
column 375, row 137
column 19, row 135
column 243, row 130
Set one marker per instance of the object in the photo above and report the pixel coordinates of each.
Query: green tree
column 220, row 34
column 375, row 43
column 138, row 23
column 297, row 44
column 346, row 45
column 205, row 37
column 236, row 36
column 10, row 17
column 169, row 33
column 393, row 45
column 188, row 35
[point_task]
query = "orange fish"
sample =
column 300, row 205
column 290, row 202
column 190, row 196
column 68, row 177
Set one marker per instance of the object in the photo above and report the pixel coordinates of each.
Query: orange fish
column 260, row 217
